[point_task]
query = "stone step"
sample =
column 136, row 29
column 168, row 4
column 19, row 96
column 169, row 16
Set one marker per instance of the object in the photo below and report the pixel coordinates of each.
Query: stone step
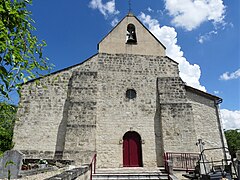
column 130, row 174
column 129, row 177
column 131, row 170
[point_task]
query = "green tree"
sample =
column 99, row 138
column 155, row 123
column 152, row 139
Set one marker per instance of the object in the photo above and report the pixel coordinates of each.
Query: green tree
column 233, row 141
column 7, row 120
column 21, row 57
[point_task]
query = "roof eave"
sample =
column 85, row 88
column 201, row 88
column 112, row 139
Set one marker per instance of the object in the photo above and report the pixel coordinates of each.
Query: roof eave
column 58, row 71
column 217, row 99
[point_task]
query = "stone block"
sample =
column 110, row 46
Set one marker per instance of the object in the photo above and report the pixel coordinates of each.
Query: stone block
column 10, row 164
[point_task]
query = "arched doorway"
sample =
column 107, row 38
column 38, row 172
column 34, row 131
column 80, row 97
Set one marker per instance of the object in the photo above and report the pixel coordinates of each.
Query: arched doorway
column 132, row 150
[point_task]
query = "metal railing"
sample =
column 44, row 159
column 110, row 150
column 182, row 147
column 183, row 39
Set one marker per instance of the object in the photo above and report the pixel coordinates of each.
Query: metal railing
column 181, row 161
column 92, row 166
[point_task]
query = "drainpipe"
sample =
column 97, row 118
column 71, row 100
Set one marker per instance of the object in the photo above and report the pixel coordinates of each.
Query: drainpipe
column 216, row 103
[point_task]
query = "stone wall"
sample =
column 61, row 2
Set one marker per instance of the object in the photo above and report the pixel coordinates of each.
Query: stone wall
column 73, row 113
column 207, row 123
column 80, row 173
column 81, row 115
column 176, row 116
column 115, row 41
column 118, row 114
column 41, row 112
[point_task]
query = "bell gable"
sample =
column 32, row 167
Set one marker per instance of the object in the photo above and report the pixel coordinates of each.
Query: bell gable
column 130, row 36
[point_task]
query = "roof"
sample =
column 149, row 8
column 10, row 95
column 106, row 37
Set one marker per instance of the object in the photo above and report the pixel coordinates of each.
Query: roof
column 64, row 69
column 205, row 94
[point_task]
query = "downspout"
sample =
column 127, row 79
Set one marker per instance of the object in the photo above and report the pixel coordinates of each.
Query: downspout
column 216, row 103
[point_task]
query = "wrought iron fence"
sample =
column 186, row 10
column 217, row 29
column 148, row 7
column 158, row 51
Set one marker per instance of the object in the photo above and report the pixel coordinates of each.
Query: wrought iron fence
column 181, row 161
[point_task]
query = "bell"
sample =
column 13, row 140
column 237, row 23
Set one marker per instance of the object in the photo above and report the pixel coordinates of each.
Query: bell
column 131, row 34
column 131, row 38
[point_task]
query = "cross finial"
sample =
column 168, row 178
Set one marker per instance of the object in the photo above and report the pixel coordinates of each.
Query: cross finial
column 129, row 6
column 200, row 143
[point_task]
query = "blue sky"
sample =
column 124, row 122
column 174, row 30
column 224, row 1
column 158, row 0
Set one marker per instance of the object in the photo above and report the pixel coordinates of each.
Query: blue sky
column 203, row 36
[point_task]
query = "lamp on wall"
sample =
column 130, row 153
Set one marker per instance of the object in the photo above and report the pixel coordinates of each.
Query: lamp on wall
column 120, row 141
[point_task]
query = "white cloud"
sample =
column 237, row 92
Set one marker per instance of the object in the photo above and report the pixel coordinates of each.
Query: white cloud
column 206, row 36
column 160, row 12
column 114, row 22
column 216, row 92
column 149, row 9
column 168, row 36
column 106, row 9
column 230, row 119
column 228, row 76
column 189, row 14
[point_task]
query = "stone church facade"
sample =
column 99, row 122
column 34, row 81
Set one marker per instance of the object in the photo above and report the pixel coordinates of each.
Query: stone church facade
column 127, row 104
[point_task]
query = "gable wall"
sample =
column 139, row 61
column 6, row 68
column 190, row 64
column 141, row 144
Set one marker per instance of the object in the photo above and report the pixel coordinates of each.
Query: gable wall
column 115, row 42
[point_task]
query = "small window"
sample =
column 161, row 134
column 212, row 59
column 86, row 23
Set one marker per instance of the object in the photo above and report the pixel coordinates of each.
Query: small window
column 131, row 94
column 131, row 34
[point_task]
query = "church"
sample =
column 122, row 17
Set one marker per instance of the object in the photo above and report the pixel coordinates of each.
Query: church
column 127, row 104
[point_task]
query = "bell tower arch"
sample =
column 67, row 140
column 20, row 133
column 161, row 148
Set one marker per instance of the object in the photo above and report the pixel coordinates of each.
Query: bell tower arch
column 131, row 34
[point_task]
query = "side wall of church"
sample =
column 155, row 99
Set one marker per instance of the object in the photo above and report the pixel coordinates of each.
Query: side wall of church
column 117, row 114
column 41, row 113
column 207, row 125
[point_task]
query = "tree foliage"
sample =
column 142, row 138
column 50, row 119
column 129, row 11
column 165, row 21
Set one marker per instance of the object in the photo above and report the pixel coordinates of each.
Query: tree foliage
column 21, row 55
column 7, row 120
column 233, row 140
column 21, row 59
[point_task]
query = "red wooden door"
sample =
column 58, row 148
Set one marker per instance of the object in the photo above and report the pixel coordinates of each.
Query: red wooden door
column 132, row 151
